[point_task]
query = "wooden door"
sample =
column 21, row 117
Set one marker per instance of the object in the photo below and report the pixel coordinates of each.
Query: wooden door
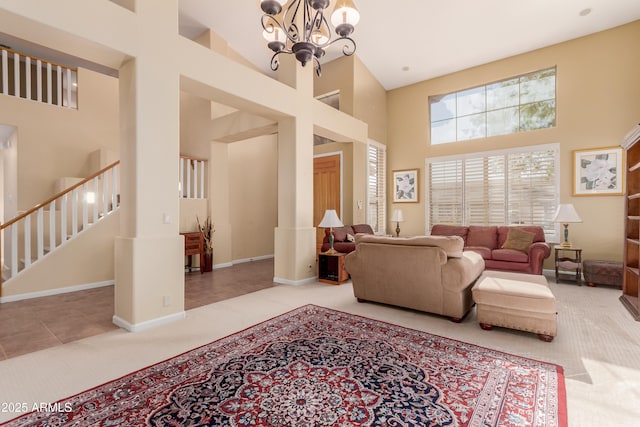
column 326, row 191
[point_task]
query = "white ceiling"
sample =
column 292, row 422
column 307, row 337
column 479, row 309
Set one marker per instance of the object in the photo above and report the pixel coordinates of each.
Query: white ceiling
column 406, row 41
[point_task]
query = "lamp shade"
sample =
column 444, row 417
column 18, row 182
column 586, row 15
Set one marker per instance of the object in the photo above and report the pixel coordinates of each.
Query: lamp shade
column 566, row 214
column 330, row 219
column 397, row 216
column 345, row 12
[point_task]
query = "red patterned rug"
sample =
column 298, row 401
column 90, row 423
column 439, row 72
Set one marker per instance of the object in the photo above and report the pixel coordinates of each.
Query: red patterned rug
column 316, row 367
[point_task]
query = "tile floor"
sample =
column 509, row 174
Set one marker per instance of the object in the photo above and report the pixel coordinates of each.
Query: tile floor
column 35, row 324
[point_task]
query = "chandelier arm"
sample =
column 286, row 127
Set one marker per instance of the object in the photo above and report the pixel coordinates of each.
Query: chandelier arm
column 318, row 67
column 319, row 22
column 348, row 49
column 270, row 26
column 275, row 64
column 289, row 21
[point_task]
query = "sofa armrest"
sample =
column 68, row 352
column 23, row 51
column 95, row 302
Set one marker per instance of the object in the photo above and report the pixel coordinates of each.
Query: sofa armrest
column 538, row 252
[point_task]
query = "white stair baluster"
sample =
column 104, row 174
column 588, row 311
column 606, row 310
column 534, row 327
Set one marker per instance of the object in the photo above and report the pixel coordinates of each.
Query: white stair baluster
column 63, row 219
column 49, row 84
column 40, row 233
column 5, row 73
column 74, row 212
column 27, row 69
column 195, row 178
column 94, row 207
column 52, row 225
column 27, row 241
column 59, row 85
column 39, row 80
column 68, row 76
column 85, row 206
column 114, row 187
column 189, row 164
column 16, row 74
column 14, row 249
column 105, row 193
column 181, row 179
column 202, row 179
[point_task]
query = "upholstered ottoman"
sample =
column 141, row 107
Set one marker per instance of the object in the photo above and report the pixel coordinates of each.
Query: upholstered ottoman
column 517, row 301
column 602, row 272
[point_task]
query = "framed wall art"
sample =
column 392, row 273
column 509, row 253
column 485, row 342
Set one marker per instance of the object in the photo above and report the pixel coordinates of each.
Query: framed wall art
column 598, row 172
column 405, row 186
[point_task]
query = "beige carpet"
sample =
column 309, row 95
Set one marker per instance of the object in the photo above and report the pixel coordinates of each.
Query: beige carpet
column 598, row 344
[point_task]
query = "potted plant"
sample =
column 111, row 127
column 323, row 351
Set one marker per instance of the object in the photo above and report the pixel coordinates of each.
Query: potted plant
column 207, row 231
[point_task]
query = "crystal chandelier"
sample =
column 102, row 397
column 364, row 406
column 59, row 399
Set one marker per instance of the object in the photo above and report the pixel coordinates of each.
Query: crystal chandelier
column 282, row 32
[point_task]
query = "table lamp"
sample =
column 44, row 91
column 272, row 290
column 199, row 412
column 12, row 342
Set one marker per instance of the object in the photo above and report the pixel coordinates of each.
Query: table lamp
column 397, row 218
column 566, row 214
column 330, row 220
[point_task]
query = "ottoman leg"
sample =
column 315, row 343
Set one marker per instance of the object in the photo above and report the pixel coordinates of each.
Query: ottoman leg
column 486, row 326
column 545, row 338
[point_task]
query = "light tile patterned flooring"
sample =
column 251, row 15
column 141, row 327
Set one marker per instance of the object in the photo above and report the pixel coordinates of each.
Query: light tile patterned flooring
column 35, row 324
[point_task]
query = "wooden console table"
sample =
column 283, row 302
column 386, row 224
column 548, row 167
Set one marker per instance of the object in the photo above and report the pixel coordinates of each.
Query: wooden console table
column 194, row 245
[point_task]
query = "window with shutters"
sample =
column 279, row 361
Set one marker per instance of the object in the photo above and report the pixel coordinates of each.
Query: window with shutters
column 518, row 104
column 376, row 194
column 518, row 186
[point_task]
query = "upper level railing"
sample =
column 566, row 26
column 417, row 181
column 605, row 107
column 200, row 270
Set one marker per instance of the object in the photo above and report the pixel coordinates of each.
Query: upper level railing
column 29, row 77
column 192, row 174
column 69, row 212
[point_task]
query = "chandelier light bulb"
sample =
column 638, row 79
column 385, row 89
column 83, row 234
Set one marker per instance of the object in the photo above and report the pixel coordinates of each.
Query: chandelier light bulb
column 345, row 12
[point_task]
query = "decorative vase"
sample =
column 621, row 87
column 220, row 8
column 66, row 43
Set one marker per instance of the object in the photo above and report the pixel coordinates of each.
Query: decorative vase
column 208, row 262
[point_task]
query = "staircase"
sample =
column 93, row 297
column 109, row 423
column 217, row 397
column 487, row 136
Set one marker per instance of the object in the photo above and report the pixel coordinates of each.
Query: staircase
column 29, row 237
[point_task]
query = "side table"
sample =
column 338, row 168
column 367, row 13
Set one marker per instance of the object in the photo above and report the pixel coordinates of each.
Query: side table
column 568, row 265
column 331, row 268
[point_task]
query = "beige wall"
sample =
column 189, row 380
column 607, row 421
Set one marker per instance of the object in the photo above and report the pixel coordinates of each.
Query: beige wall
column 56, row 142
column 597, row 103
column 370, row 102
column 253, row 196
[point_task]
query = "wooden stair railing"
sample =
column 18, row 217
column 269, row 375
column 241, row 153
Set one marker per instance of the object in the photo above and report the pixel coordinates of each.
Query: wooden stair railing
column 98, row 200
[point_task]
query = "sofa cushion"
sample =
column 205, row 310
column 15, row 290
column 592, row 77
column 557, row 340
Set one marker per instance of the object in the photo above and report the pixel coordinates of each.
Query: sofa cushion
column 450, row 230
column 484, row 236
column 362, row 228
column 484, row 252
column 518, row 239
column 511, row 255
column 503, row 232
column 452, row 245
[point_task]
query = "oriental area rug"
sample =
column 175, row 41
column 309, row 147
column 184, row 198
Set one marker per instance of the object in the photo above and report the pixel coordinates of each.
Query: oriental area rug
column 317, row 367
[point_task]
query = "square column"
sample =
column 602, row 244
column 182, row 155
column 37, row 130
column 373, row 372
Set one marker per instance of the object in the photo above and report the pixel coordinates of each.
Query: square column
column 149, row 286
column 295, row 236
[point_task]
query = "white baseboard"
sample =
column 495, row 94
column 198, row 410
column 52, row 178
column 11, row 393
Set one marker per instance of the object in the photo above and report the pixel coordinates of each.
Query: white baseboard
column 241, row 261
column 51, row 292
column 142, row 326
column 307, row 281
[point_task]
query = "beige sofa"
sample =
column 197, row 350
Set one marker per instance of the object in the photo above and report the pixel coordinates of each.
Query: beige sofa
column 426, row 273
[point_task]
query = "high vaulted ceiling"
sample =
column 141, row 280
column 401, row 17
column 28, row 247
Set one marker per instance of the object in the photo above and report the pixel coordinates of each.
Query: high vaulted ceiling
column 406, row 41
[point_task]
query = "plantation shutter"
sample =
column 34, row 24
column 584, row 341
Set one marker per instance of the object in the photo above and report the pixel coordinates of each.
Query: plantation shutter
column 497, row 188
column 484, row 191
column 444, row 196
column 376, row 194
column 532, row 189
